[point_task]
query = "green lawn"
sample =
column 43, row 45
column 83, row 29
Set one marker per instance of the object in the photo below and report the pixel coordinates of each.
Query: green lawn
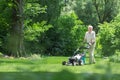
column 50, row 68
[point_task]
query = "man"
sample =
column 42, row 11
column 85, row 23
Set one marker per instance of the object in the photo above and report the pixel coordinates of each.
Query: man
column 90, row 39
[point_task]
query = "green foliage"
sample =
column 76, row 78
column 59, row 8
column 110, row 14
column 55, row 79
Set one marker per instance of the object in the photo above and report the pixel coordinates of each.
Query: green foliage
column 52, row 12
column 86, row 12
column 109, row 36
column 116, row 57
column 68, row 35
column 50, row 27
column 106, row 34
column 96, row 11
column 8, row 19
column 33, row 9
column 5, row 22
column 36, row 30
column 116, row 23
column 34, row 35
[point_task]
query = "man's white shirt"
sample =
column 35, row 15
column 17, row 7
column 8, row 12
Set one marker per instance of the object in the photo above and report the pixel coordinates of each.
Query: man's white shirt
column 90, row 37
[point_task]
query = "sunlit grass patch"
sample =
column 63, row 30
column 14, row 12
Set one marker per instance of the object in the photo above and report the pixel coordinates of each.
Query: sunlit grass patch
column 50, row 68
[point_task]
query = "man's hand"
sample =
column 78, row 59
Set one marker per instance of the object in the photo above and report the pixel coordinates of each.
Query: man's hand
column 90, row 44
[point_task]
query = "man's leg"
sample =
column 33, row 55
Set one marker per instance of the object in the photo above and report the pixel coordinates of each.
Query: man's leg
column 91, row 54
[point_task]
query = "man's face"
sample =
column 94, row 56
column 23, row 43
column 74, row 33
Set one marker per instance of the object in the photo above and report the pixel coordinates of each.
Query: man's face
column 90, row 29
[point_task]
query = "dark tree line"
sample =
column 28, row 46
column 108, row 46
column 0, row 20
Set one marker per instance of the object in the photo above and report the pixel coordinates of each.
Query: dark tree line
column 53, row 27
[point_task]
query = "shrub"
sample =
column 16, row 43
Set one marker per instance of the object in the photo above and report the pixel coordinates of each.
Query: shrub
column 115, row 57
column 67, row 35
column 109, row 37
column 34, row 34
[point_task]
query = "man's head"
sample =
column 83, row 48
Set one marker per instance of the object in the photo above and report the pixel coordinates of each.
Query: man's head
column 90, row 28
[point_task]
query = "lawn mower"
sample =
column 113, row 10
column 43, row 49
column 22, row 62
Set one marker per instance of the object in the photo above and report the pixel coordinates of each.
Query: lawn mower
column 78, row 57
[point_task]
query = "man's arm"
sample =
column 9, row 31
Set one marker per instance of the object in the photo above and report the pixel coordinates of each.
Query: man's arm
column 94, row 38
column 85, row 38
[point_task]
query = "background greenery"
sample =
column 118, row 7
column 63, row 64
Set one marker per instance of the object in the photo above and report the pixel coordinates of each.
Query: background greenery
column 57, row 27
column 35, row 33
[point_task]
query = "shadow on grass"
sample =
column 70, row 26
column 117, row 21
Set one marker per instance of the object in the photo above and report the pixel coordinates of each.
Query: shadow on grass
column 21, row 61
column 16, row 61
column 62, row 75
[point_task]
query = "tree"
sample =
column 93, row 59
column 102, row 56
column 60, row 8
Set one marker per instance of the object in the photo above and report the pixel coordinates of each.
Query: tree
column 106, row 10
column 96, row 11
column 17, row 19
column 15, row 43
column 53, row 10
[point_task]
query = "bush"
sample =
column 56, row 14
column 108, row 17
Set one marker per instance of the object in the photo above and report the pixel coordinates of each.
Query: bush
column 115, row 58
column 109, row 37
column 106, row 35
column 67, row 35
column 34, row 34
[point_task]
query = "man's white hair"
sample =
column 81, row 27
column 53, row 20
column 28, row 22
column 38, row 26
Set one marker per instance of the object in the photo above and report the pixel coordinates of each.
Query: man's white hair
column 90, row 26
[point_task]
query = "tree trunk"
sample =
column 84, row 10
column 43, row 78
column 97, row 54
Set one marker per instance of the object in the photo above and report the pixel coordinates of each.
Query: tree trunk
column 15, row 46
